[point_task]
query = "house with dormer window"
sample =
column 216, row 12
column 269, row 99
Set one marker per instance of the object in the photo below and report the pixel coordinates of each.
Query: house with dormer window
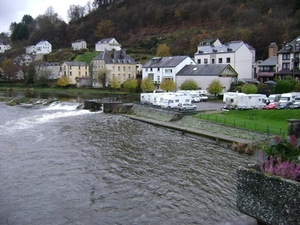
column 161, row 68
column 239, row 55
column 117, row 63
column 288, row 60
column 107, row 44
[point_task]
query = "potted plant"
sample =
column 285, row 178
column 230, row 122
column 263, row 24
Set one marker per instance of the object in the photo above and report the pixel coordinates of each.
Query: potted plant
column 270, row 191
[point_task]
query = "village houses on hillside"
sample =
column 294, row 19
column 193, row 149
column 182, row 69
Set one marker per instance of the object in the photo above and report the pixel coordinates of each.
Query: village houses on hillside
column 228, row 62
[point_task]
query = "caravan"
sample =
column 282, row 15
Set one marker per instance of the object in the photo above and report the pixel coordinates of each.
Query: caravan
column 289, row 97
column 235, row 100
column 173, row 101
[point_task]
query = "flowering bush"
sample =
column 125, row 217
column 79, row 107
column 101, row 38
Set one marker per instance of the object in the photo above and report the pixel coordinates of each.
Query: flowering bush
column 283, row 157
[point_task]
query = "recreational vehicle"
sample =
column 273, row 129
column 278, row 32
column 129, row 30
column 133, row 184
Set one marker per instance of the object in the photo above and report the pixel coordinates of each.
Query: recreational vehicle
column 235, row 100
column 173, row 101
column 289, row 97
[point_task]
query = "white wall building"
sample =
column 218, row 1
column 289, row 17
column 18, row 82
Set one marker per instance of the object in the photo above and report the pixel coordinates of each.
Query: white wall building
column 107, row 44
column 236, row 53
column 43, row 47
column 161, row 68
column 79, row 44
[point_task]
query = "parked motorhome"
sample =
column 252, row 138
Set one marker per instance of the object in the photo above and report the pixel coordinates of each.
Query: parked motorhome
column 197, row 97
column 173, row 101
column 289, row 97
column 235, row 100
column 274, row 98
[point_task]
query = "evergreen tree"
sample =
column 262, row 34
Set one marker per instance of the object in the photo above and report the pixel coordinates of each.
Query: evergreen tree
column 31, row 74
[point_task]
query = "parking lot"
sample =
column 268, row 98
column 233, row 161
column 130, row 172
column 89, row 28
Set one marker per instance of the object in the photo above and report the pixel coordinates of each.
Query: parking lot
column 209, row 105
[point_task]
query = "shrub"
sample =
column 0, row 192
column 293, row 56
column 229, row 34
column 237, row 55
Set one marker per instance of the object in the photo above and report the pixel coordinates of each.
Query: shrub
column 283, row 157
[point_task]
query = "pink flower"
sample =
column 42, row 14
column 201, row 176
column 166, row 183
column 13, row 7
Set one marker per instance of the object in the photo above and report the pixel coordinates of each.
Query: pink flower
column 293, row 141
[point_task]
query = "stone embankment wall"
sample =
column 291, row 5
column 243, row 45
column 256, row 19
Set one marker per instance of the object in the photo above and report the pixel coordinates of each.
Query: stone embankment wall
column 187, row 120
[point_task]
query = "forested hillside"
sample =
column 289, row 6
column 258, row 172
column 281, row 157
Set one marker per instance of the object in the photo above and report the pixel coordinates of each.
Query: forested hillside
column 139, row 25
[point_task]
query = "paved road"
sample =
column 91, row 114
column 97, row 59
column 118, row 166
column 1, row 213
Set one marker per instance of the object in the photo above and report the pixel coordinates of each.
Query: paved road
column 209, row 105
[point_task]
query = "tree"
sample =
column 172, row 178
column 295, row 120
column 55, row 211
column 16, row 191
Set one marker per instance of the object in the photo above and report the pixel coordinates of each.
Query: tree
column 215, row 87
column 147, row 85
column 167, row 85
column 163, row 50
column 42, row 78
column 131, row 84
column 283, row 86
column 63, row 81
column 101, row 76
column 115, row 83
column 249, row 89
column 31, row 74
column 76, row 12
column 189, row 84
column 10, row 69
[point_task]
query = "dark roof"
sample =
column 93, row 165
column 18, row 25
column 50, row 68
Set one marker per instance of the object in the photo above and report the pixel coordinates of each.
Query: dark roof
column 272, row 61
column 76, row 63
column 114, row 56
column 228, row 47
column 163, row 62
column 207, row 70
column 292, row 46
column 208, row 42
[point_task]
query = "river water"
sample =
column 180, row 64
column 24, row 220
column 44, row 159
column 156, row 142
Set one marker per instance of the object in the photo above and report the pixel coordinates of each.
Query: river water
column 61, row 165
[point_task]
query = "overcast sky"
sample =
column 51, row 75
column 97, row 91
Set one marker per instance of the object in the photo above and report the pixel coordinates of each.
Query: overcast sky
column 14, row 10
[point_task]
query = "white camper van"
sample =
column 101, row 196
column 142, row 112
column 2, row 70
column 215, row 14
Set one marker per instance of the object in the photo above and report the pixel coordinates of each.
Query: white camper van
column 289, row 97
column 173, row 101
column 235, row 100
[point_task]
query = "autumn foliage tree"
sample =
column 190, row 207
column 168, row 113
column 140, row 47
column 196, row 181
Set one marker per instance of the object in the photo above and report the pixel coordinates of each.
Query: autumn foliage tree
column 115, row 83
column 215, row 87
column 167, row 85
column 249, row 89
column 131, row 84
column 10, row 69
column 147, row 85
column 189, row 84
column 163, row 50
column 63, row 81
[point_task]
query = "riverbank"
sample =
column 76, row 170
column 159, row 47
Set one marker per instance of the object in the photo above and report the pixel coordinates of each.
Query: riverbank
column 189, row 125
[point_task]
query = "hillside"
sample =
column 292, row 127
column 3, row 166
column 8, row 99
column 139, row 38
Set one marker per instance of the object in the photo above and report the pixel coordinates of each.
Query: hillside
column 140, row 25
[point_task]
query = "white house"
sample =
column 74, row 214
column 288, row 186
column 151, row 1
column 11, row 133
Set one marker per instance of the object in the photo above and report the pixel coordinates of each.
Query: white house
column 79, row 44
column 107, row 44
column 161, row 68
column 236, row 53
column 4, row 48
column 43, row 47
column 30, row 49
column 204, row 75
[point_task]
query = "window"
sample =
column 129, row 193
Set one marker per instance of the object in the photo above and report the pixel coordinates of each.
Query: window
column 168, row 70
column 151, row 69
column 119, row 68
column 228, row 60
column 113, row 69
column 285, row 66
column 124, row 69
column 199, row 61
column 205, row 61
column 79, row 74
column 70, row 67
column 70, row 73
column 220, row 60
column 212, row 61
column 285, row 56
column 158, row 69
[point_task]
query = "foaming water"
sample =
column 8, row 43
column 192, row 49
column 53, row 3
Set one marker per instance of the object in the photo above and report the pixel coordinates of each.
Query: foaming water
column 96, row 168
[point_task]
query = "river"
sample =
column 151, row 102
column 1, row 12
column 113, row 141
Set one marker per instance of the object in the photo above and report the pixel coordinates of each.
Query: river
column 61, row 165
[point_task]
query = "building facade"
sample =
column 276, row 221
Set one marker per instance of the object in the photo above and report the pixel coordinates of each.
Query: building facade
column 116, row 63
column 74, row 70
column 236, row 53
column 107, row 44
column 161, row 68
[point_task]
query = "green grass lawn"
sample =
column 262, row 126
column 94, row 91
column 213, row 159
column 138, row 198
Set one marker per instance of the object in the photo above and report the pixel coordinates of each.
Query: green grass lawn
column 267, row 121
